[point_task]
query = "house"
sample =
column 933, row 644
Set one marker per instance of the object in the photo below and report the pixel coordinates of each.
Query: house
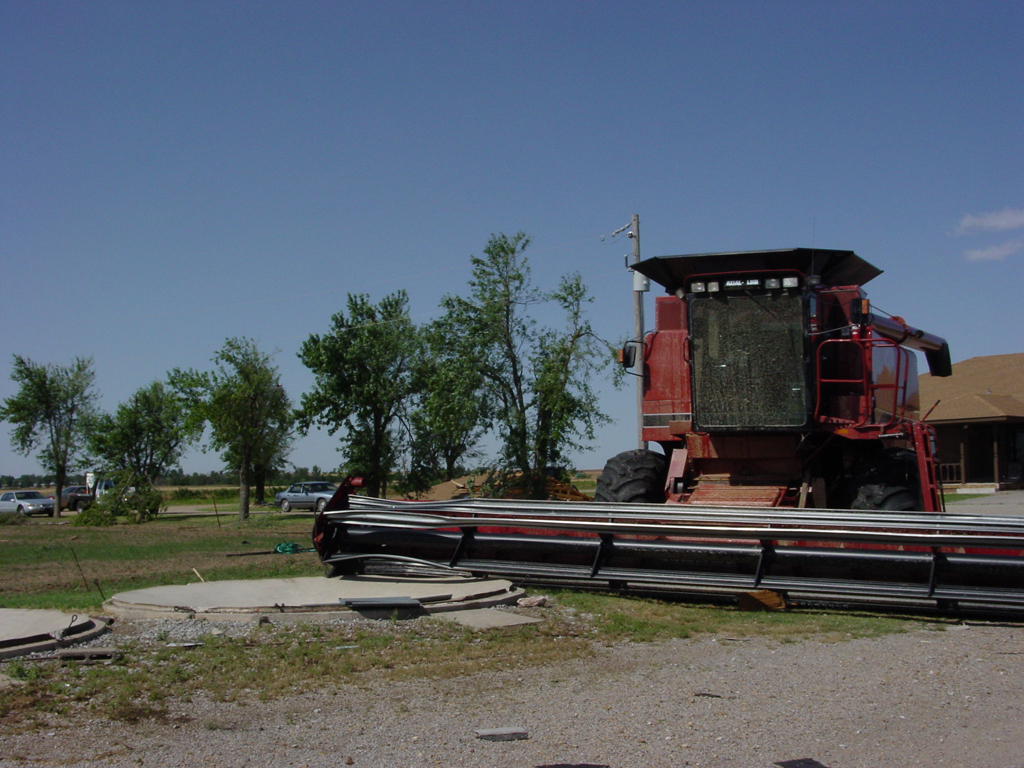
column 978, row 413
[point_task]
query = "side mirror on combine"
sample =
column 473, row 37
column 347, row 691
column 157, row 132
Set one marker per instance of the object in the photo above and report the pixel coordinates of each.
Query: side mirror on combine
column 627, row 355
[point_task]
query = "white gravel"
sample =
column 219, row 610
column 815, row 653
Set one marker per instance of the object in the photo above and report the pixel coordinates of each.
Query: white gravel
column 951, row 697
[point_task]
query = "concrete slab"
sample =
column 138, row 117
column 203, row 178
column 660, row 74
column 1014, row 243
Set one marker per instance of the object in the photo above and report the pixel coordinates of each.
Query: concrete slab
column 307, row 597
column 30, row 630
column 24, row 631
column 1010, row 503
column 488, row 618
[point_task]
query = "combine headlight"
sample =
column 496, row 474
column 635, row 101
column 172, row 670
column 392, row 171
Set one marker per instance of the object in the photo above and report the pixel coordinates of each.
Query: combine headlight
column 791, row 282
column 713, row 286
column 772, row 282
column 697, row 287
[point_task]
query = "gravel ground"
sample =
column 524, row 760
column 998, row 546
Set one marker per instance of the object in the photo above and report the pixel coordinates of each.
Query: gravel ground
column 947, row 697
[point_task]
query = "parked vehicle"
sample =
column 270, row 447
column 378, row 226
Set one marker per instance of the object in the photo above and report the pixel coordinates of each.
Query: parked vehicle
column 80, row 498
column 76, row 497
column 26, row 503
column 309, row 495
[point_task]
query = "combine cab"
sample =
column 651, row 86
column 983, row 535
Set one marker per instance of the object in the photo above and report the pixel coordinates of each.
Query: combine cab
column 769, row 381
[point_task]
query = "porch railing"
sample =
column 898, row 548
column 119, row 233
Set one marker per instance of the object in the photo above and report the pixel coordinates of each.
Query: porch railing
column 951, row 474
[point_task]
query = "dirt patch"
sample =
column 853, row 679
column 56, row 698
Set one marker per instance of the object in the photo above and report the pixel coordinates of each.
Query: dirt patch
column 451, row 489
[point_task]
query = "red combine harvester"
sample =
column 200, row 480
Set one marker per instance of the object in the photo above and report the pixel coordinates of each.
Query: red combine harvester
column 768, row 381
column 794, row 460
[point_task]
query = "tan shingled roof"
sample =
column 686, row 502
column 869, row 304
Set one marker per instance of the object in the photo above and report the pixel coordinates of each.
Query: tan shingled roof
column 980, row 389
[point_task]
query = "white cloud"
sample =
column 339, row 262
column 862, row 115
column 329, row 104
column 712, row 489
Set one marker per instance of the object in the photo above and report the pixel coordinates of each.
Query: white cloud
column 997, row 221
column 996, row 252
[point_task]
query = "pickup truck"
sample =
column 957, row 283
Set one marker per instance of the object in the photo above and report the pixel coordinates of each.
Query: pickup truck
column 76, row 497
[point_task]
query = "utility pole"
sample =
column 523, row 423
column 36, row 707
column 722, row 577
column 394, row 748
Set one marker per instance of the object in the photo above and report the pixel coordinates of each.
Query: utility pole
column 640, row 286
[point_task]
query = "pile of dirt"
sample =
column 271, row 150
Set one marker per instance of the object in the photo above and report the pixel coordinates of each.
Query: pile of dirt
column 450, row 489
column 461, row 488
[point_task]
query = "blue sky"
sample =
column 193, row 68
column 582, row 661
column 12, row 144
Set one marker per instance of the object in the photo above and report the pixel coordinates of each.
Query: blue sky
column 176, row 173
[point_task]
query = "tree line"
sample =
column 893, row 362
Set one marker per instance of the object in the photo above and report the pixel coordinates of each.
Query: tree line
column 177, row 477
column 420, row 398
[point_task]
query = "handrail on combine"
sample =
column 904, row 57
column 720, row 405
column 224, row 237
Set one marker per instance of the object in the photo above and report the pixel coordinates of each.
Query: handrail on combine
column 865, row 387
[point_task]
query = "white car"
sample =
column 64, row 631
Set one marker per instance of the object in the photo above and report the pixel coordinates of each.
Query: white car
column 26, row 503
column 311, row 495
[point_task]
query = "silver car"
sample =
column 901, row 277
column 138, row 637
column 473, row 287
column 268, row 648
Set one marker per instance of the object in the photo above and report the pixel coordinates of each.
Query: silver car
column 311, row 495
column 26, row 503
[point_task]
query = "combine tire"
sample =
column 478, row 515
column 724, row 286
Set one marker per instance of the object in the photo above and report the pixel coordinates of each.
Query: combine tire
column 889, row 498
column 885, row 481
column 636, row 476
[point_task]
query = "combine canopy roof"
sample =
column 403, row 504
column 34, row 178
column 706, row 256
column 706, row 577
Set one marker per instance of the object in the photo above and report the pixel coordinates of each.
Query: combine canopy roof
column 833, row 267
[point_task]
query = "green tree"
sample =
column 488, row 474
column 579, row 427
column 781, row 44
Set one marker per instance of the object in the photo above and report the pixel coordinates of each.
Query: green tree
column 269, row 458
column 130, row 498
column 245, row 405
column 48, row 411
column 495, row 330
column 449, row 420
column 536, row 382
column 566, row 362
column 147, row 435
column 363, row 382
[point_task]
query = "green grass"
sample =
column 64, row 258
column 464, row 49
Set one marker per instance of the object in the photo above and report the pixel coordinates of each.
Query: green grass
column 645, row 620
column 75, row 567
column 271, row 661
column 585, row 484
column 953, row 498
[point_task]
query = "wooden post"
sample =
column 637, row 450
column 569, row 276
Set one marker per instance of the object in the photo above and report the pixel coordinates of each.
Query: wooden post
column 963, row 455
column 995, row 454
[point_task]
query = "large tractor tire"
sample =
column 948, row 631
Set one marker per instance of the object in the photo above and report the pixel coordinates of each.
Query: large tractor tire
column 889, row 498
column 886, row 481
column 636, row 476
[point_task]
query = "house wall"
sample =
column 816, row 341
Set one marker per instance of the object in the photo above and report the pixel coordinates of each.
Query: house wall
column 981, row 453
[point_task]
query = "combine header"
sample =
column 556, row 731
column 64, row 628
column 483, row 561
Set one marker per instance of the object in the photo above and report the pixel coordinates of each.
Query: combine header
column 793, row 458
